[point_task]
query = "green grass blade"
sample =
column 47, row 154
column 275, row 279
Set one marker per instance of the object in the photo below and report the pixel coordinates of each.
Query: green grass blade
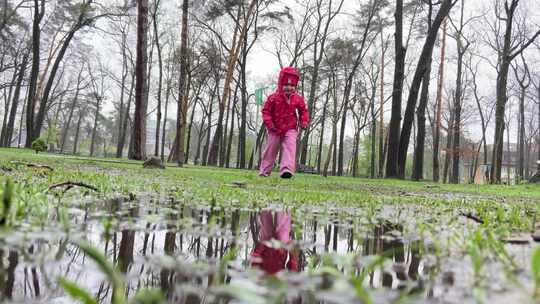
column 76, row 292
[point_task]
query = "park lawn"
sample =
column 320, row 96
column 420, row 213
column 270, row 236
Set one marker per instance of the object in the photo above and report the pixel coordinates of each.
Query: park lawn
column 302, row 187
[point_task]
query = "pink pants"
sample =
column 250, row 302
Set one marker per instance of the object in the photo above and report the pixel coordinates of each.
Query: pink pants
column 287, row 143
column 275, row 227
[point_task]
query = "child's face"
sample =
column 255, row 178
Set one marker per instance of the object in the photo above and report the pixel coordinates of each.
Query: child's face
column 289, row 88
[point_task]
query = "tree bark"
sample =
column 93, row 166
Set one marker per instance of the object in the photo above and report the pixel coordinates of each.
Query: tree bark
column 381, row 111
column 524, row 83
column 32, row 90
column 438, row 102
column 77, row 130
column 448, row 154
column 233, row 58
column 318, row 52
column 164, row 130
column 423, row 65
column 141, row 83
column 399, row 74
column 418, row 158
column 182, row 92
column 506, row 55
column 8, row 101
column 67, row 126
column 323, row 122
column 15, row 103
column 126, row 117
column 94, row 128
column 160, row 80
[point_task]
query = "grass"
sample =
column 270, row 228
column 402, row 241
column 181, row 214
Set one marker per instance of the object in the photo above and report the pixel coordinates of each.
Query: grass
column 432, row 210
column 313, row 187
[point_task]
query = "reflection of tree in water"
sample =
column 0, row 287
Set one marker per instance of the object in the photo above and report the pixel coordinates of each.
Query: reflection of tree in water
column 391, row 246
column 7, row 275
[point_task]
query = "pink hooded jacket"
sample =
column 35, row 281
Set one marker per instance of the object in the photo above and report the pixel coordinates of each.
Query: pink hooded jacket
column 280, row 111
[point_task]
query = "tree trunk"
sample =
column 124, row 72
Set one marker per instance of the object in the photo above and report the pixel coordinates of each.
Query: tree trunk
column 505, row 58
column 207, row 145
column 381, row 111
column 399, row 74
column 190, row 127
column 448, row 154
column 524, row 83
column 168, row 93
column 418, row 158
column 44, row 103
column 15, row 103
column 458, row 100
column 457, row 123
column 67, row 126
column 423, row 64
column 224, row 140
column 32, row 89
column 182, row 91
column 438, row 102
column 94, row 128
column 231, row 133
column 538, row 136
column 121, row 117
column 77, row 130
column 373, row 132
column 8, row 101
column 233, row 57
column 323, row 122
column 141, row 83
column 318, row 52
column 126, row 117
column 331, row 148
column 243, row 115
column 160, row 80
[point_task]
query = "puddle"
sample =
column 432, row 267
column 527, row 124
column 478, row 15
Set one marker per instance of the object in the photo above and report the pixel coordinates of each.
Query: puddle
column 178, row 248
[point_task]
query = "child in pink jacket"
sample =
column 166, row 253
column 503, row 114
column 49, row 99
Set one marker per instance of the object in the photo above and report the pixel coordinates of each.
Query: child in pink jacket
column 280, row 116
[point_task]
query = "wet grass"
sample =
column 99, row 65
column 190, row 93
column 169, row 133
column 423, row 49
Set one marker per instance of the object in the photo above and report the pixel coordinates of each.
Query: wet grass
column 185, row 234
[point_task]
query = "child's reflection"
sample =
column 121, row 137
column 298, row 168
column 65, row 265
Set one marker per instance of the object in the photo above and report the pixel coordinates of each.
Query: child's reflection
column 274, row 227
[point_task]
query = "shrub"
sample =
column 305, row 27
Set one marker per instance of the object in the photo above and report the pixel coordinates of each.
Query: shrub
column 39, row 145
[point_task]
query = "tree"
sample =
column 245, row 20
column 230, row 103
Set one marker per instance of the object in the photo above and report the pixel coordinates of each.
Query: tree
column 323, row 22
column 485, row 111
column 39, row 12
column 182, row 92
column 369, row 34
column 160, row 81
column 462, row 45
column 524, row 82
column 507, row 50
column 418, row 156
column 73, row 104
column 83, row 15
column 438, row 107
column 141, row 83
column 7, row 130
column 423, row 64
column 399, row 72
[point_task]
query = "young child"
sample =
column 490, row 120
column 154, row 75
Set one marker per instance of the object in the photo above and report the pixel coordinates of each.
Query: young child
column 281, row 121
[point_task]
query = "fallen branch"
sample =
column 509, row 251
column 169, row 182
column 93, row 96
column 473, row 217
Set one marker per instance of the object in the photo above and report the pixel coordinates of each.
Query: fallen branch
column 70, row 184
column 472, row 217
column 31, row 165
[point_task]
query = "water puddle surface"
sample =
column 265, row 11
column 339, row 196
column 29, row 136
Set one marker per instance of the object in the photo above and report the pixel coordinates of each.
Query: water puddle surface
column 305, row 254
